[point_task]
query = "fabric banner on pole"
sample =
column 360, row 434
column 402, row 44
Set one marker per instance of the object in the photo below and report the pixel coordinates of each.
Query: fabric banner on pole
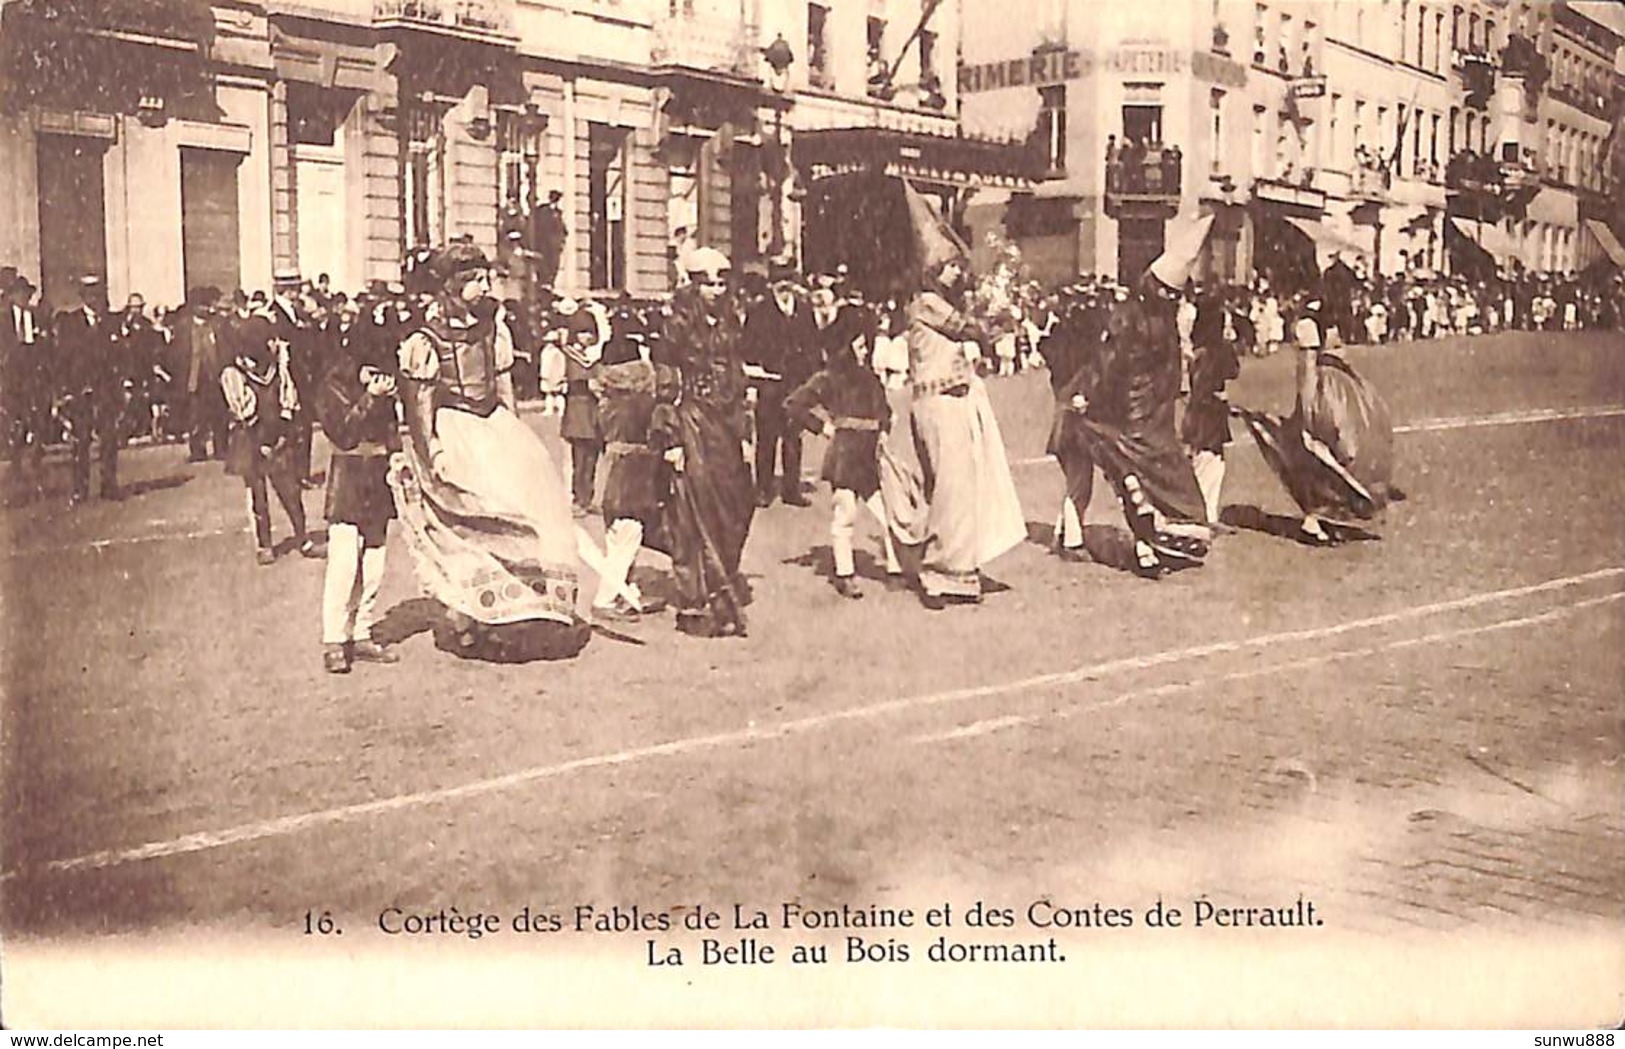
column 1609, row 243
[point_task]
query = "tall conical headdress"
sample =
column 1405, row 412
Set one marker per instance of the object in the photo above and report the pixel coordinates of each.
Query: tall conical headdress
column 1177, row 261
column 934, row 240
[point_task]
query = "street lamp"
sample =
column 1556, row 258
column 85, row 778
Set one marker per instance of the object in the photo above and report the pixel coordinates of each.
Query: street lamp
column 779, row 59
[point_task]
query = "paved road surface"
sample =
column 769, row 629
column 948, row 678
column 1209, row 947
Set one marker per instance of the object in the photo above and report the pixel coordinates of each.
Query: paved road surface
column 1421, row 736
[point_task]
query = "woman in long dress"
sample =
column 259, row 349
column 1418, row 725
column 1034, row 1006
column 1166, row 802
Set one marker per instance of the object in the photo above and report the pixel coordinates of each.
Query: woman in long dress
column 974, row 515
column 1335, row 452
column 713, row 497
column 486, row 515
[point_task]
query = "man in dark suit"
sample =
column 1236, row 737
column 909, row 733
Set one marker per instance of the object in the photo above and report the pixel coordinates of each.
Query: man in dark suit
column 295, row 327
column 200, row 355
column 25, row 355
column 781, row 352
column 94, row 382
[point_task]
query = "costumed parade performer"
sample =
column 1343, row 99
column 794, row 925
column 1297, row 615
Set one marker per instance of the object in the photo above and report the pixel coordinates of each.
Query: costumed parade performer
column 974, row 515
column 637, row 482
column 846, row 402
column 1072, row 354
column 713, row 495
column 355, row 404
column 1127, row 422
column 1335, row 452
column 483, row 505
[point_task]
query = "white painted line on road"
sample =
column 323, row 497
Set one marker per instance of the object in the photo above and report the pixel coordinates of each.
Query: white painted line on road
column 1464, row 422
column 285, row 825
column 99, row 545
column 1539, row 415
column 992, row 725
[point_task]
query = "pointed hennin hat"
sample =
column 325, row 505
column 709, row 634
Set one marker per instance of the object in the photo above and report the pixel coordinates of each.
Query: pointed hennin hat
column 935, row 242
column 1178, row 260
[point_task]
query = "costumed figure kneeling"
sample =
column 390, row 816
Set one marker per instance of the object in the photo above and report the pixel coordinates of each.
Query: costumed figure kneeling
column 486, row 515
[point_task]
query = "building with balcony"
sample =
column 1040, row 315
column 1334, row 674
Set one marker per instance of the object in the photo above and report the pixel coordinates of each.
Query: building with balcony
column 182, row 143
column 1323, row 126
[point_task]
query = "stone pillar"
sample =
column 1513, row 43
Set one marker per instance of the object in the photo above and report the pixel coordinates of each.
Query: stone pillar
column 284, row 203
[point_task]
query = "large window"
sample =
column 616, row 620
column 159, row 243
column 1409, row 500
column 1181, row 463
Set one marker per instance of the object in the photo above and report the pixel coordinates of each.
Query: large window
column 1052, row 126
column 606, row 203
column 1215, row 145
column 519, row 149
column 423, row 185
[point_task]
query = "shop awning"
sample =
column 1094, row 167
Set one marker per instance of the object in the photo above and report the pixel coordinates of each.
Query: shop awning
column 953, row 160
column 1327, row 240
column 1609, row 243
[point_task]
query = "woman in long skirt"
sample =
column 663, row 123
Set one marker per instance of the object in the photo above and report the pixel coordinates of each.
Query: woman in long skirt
column 1335, row 452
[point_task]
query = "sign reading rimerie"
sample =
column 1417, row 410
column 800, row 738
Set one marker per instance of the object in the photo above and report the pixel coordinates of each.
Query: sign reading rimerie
column 1050, row 67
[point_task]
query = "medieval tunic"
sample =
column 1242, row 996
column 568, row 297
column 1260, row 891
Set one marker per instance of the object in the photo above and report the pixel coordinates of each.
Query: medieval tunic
column 713, row 498
column 852, row 399
column 974, row 514
column 363, row 432
column 487, row 519
column 635, row 481
column 1072, row 353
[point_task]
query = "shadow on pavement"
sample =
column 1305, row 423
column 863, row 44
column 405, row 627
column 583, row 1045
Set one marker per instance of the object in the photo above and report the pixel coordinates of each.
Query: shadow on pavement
column 408, row 619
column 1282, row 526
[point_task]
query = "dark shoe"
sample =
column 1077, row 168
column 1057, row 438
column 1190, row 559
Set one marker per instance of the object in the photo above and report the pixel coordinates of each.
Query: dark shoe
column 1076, row 555
column 1179, row 547
column 265, row 556
column 695, row 623
column 848, row 588
column 934, row 602
column 649, row 606
column 334, row 660
column 313, row 550
column 795, row 499
column 1146, row 563
column 372, row 652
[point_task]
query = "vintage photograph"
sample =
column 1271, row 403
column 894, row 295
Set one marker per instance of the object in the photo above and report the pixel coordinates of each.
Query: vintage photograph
column 812, row 513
